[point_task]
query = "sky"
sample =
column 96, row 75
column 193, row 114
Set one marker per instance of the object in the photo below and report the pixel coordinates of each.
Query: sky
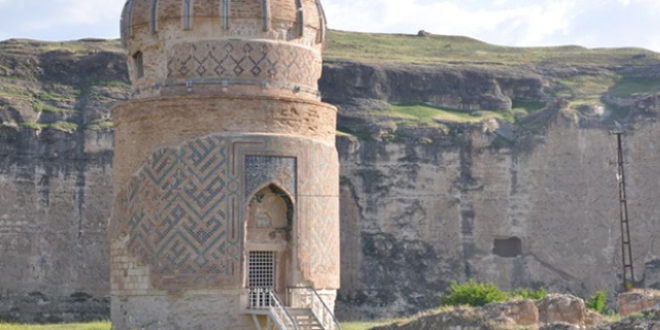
column 590, row 23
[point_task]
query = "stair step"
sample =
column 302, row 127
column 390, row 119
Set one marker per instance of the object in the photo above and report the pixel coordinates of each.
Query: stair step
column 298, row 311
column 305, row 319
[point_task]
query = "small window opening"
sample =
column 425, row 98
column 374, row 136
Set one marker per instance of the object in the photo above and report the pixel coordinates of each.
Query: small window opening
column 139, row 64
column 510, row 247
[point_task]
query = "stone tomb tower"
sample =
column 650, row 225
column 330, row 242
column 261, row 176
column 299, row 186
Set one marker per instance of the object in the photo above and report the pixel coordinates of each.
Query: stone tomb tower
column 226, row 176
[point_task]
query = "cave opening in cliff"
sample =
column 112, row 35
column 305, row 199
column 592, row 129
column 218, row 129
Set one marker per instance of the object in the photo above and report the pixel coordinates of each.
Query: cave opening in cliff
column 509, row 247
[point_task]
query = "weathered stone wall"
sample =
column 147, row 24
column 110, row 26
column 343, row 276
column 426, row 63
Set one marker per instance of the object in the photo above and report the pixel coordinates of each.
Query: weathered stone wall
column 55, row 193
column 541, row 214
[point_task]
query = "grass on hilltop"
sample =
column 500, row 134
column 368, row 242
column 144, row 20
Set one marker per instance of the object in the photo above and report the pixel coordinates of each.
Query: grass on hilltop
column 376, row 47
column 401, row 48
column 362, row 325
column 422, row 115
column 107, row 326
column 81, row 47
column 77, row 326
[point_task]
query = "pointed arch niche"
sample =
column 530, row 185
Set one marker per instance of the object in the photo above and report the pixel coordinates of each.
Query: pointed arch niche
column 270, row 223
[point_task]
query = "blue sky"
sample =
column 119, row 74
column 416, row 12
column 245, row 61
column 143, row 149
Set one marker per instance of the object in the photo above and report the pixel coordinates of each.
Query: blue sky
column 591, row 23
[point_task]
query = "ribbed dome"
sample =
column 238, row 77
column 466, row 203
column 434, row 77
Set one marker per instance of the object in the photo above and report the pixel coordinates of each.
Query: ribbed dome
column 240, row 42
column 264, row 16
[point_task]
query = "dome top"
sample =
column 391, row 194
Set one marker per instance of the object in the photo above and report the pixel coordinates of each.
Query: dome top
column 224, row 47
column 255, row 18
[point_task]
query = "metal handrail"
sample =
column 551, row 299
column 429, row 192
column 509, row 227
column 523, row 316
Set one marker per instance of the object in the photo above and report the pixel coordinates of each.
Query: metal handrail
column 278, row 312
column 326, row 309
column 280, row 307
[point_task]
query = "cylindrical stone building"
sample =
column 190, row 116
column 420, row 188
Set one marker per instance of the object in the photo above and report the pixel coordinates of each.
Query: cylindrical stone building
column 226, row 175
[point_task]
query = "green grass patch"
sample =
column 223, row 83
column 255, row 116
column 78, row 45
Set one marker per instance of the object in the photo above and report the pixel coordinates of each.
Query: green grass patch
column 100, row 125
column 473, row 294
column 363, row 135
column 419, row 116
column 530, row 106
column 33, row 125
column 476, row 294
column 375, row 47
column 598, row 303
column 42, row 107
column 525, row 293
column 53, row 97
column 64, row 126
column 13, row 90
column 425, row 115
column 76, row 326
column 113, row 83
column 633, row 86
column 79, row 47
column 581, row 86
column 60, row 125
column 361, row 325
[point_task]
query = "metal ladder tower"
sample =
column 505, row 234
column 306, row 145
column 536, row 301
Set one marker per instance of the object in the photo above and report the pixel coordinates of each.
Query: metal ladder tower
column 626, row 246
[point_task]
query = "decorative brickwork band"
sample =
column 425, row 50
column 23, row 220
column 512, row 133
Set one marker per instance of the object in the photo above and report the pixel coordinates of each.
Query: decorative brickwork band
column 244, row 60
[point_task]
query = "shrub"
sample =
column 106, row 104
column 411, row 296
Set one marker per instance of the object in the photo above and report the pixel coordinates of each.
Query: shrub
column 65, row 126
column 598, row 303
column 472, row 293
column 529, row 294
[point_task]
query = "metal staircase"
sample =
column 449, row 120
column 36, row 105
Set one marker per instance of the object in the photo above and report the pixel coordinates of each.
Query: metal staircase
column 305, row 319
column 307, row 311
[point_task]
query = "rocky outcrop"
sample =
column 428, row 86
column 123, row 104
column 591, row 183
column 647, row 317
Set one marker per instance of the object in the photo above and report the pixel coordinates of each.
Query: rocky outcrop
column 648, row 320
column 449, row 86
column 522, row 313
column 553, row 312
column 637, row 301
column 562, row 309
column 527, row 215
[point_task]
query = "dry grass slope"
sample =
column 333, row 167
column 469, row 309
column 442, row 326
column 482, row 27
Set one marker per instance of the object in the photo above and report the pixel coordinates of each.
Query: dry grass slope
column 81, row 326
column 400, row 48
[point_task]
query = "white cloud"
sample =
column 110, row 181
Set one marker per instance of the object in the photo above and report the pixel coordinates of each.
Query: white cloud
column 510, row 22
column 517, row 24
column 60, row 19
column 594, row 23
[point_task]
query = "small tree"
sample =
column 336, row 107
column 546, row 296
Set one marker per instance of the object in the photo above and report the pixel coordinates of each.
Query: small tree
column 472, row 293
column 598, row 303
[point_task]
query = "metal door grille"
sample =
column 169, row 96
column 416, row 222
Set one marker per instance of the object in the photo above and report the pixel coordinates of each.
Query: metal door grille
column 261, row 277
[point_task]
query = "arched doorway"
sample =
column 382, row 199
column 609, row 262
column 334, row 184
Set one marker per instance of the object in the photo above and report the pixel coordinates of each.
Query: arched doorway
column 269, row 238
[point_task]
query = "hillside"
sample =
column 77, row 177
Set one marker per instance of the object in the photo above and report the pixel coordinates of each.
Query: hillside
column 439, row 49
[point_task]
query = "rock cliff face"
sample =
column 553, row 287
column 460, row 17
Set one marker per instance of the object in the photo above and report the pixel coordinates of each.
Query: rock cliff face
column 527, row 200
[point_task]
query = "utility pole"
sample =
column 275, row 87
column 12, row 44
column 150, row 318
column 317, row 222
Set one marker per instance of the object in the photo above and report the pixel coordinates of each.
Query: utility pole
column 626, row 247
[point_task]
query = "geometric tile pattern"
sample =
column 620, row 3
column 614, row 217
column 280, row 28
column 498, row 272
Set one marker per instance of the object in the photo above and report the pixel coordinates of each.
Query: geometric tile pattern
column 318, row 248
column 184, row 211
column 261, row 170
column 244, row 60
column 179, row 215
